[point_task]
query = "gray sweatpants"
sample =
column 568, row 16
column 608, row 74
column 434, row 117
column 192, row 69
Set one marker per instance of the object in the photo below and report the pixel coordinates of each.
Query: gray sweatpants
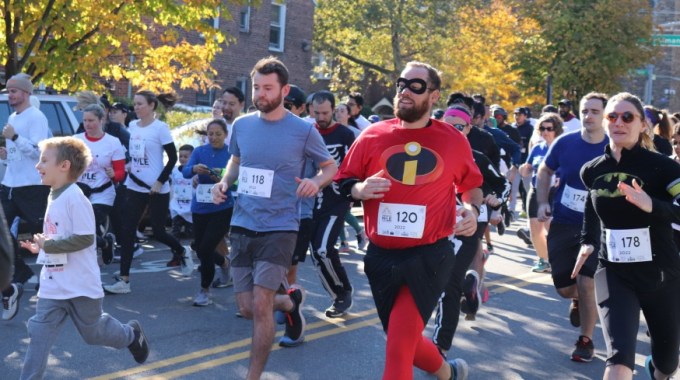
column 95, row 326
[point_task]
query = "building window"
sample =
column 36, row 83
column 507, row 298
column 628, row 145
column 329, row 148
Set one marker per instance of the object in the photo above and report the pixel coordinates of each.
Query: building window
column 277, row 26
column 242, row 84
column 321, row 67
column 205, row 98
column 244, row 20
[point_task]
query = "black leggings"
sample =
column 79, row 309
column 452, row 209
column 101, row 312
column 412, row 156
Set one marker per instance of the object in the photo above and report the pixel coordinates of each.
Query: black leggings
column 619, row 308
column 100, row 214
column 448, row 310
column 136, row 202
column 208, row 230
column 324, row 254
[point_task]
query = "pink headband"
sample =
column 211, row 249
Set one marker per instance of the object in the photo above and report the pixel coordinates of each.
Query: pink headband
column 457, row 113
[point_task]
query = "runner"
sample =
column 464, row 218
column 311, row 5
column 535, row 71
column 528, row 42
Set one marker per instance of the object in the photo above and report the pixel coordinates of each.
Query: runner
column 211, row 221
column 566, row 156
column 147, row 184
column 269, row 149
column 330, row 210
column 107, row 167
column 182, row 192
column 469, row 248
column 549, row 126
column 407, row 171
column 630, row 205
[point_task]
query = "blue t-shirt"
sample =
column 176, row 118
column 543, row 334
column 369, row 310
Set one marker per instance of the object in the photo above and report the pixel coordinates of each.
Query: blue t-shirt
column 307, row 204
column 280, row 146
column 535, row 158
column 214, row 159
column 566, row 156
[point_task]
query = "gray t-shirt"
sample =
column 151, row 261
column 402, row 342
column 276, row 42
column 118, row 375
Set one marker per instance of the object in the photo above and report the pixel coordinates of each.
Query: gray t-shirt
column 281, row 147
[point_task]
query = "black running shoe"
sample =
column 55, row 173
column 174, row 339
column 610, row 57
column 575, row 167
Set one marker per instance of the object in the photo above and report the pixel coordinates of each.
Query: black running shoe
column 471, row 291
column 139, row 348
column 107, row 250
column 340, row 306
column 584, row 350
column 295, row 321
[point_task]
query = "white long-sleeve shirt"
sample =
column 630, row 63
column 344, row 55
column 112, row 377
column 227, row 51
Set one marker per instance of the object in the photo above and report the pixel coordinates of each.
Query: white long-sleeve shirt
column 23, row 154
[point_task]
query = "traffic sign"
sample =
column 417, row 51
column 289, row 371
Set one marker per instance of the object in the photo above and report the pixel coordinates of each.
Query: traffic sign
column 667, row 39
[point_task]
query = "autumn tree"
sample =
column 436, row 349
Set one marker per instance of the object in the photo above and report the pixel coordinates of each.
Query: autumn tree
column 585, row 45
column 380, row 37
column 72, row 45
column 482, row 53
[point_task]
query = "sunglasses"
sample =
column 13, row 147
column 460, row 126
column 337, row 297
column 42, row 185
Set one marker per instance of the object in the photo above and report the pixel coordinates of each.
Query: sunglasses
column 626, row 117
column 417, row 86
column 460, row 127
column 546, row 129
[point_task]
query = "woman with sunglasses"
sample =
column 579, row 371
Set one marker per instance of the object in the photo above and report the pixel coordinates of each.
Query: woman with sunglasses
column 548, row 126
column 628, row 214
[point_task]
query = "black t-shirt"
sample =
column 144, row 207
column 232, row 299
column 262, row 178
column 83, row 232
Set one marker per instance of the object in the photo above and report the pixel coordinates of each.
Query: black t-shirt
column 483, row 142
column 338, row 139
column 663, row 146
column 607, row 208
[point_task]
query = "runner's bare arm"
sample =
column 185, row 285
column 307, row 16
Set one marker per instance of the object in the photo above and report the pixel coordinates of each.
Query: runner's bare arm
column 220, row 188
column 309, row 187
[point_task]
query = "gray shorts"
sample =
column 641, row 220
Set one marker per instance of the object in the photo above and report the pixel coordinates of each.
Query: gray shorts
column 260, row 259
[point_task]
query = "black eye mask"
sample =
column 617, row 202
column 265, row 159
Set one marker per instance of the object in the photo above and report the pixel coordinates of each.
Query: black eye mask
column 417, row 86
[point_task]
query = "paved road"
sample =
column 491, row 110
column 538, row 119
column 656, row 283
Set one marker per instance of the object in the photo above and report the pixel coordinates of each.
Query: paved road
column 523, row 331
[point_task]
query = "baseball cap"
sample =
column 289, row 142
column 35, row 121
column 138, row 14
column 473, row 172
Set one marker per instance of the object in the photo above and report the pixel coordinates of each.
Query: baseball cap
column 565, row 102
column 549, row 108
column 499, row 111
column 521, row 110
column 296, row 96
column 120, row 107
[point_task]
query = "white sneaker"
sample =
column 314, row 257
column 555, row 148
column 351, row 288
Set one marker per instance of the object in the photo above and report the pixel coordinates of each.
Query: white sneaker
column 118, row 287
column 140, row 235
column 10, row 305
column 138, row 250
column 188, row 262
column 202, row 298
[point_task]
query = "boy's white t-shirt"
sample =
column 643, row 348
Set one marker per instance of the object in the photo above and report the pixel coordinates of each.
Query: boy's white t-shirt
column 180, row 197
column 71, row 214
column 104, row 151
column 146, row 154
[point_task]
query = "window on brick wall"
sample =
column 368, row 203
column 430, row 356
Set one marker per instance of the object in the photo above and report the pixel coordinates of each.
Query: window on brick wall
column 321, row 66
column 244, row 20
column 277, row 26
column 205, row 98
column 242, row 84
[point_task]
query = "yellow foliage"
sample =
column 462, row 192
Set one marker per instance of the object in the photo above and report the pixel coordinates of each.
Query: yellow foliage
column 479, row 58
column 73, row 45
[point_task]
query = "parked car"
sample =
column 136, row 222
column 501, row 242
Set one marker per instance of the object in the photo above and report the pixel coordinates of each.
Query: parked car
column 193, row 133
column 62, row 117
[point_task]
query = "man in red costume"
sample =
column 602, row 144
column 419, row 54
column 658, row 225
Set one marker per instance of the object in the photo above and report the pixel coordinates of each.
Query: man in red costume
column 407, row 172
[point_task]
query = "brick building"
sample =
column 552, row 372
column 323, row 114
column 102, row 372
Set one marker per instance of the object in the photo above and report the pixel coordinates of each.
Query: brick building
column 279, row 28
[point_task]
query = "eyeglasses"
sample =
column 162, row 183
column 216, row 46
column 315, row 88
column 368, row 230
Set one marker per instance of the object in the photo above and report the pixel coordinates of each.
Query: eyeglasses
column 626, row 117
column 460, row 127
column 546, row 129
column 417, row 86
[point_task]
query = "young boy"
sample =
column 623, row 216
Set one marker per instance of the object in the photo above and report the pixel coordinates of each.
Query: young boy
column 180, row 202
column 70, row 281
